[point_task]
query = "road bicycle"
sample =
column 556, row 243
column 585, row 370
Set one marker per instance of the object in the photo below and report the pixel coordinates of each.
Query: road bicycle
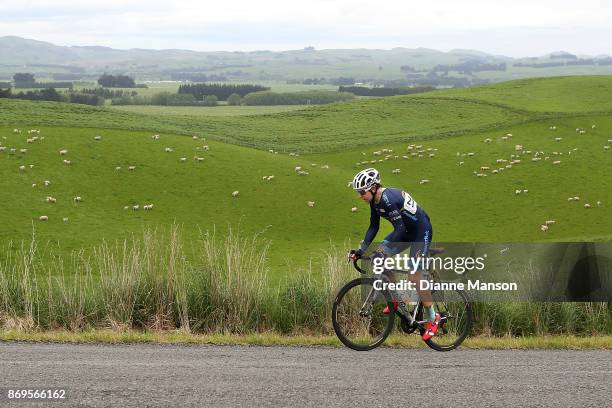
column 360, row 324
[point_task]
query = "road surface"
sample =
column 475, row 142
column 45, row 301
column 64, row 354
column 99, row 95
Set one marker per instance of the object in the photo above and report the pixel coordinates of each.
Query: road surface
column 229, row 376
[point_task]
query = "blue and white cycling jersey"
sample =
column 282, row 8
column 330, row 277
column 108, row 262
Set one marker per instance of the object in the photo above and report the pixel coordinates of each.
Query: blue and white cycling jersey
column 410, row 223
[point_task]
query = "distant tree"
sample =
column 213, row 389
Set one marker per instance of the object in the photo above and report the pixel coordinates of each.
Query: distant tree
column 210, row 100
column 23, row 78
column 5, row 94
column 234, row 99
column 116, row 81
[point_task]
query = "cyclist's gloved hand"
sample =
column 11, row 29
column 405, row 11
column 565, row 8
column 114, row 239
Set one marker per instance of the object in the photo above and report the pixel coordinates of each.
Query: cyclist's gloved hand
column 378, row 254
column 356, row 253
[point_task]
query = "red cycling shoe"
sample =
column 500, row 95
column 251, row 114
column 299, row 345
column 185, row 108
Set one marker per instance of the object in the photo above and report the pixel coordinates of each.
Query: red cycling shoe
column 386, row 309
column 431, row 328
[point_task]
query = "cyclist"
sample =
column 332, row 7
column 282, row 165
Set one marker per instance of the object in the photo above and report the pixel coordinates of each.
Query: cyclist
column 411, row 226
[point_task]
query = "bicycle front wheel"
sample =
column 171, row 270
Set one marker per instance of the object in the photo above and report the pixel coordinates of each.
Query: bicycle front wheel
column 357, row 315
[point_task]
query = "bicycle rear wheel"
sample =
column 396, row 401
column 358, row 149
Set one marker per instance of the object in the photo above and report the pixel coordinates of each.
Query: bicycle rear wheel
column 357, row 315
column 456, row 311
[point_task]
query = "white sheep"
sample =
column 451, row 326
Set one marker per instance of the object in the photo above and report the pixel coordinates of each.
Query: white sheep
column 303, row 173
column 50, row 199
column 576, row 198
column 311, row 203
column 97, row 137
column 66, row 162
column 354, row 209
column 194, row 137
column 65, row 219
column 126, row 207
column 325, row 166
column 558, row 139
column 147, row 207
column 518, row 192
column 183, row 159
column 525, row 191
column 557, row 162
column 63, row 152
column 16, row 130
column 23, row 150
column 606, row 147
column 587, row 205
column 33, row 185
column 117, row 168
column 544, row 228
column 135, row 207
column 395, row 171
column 236, row 193
column 598, row 203
column 199, row 158
column 518, row 147
column 424, row 181
column 77, row 199
column 269, row 178
column 155, row 137
column 2, row 148
column 132, row 168
column 298, row 168
column 549, row 222
column 205, row 147
column 22, row 168
column 47, row 183
column 31, row 166
column 43, row 218
column 593, row 126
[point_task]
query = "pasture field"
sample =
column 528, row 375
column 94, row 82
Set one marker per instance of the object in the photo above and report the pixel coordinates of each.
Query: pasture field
column 198, row 195
column 221, row 110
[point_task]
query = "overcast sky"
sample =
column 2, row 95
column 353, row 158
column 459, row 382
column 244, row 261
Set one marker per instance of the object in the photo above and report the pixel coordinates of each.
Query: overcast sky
column 513, row 28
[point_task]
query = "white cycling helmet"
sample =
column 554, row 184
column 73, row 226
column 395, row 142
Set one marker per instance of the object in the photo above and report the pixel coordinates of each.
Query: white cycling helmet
column 365, row 179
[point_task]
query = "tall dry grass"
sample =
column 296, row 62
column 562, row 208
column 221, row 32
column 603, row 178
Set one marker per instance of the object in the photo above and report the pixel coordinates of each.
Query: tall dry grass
column 150, row 282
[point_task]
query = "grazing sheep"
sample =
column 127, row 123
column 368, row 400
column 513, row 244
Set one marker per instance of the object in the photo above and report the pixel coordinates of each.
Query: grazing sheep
column 525, row 191
column 570, row 199
column 557, row 162
column 558, row 139
column 587, row 205
column 168, row 150
column 271, row 151
column 593, row 126
column 21, row 168
column 314, row 164
column 65, row 219
column 576, row 198
column 23, row 150
column 97, row 137
column 424, row 181
column 194, row 137
column 29, row 140
column 2, row 148
column 183, row 159
column 117, row 168
column 517, row 192
column 50, row 199
column 199, row 158
column 16, row 130
column 549, row 222
column 395, row 171
column 147, row 207
column 298, row 168
column 47, row 183
column 606, row 147
column 66, row 162
column 488, row 140
column 155, row 137
column 303, row 173
column 205, row 147
column 126, row 207
column 518, row 147
column 311, row 203
column 598, row 203
column 77, row 199
column 461, row 163
column 33, row 185
column 31, row 166
column 132, row 168
column 43, row 218
column 269, row 178
column 135, row 207
column 544, row 228
column 508, row 134
column 494, row 171
column 236, row 193
column 63, row 152
column 484, row 168
column 354, row 209
column 470, row 154
column 325, row 166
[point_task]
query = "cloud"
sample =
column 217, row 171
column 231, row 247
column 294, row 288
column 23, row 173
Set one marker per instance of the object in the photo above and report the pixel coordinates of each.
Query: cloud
column 274, row 24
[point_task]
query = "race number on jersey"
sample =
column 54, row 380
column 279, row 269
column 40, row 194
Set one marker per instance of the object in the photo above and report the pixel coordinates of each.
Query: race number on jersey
column 409, row 204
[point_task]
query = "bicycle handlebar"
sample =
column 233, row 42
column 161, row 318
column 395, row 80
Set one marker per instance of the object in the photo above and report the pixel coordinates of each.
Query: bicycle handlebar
column 365, row 258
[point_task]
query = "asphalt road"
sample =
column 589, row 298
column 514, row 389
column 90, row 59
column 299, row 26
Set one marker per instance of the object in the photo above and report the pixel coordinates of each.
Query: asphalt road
column 228, row 376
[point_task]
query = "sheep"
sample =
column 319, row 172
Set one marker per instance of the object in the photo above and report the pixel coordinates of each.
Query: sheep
column 470, row 154
column 31, row 166
column 50, row 199
column 43, row 218
column 47, row 183
column 377, row 153
column 77, row 199
column 271, row 151
column 518, row 147
column 33, row 185
column 432, row 155
column 2, row 148
column 525, row 191
column 23, row 150
column 66, row 162
column 508, row 134
column 183, row 159
column 576, row 198
column 126, row 207
column 494, row 171
column 587, row 205
column 117, row 168
column 16, row 130
column 549, row 222
column 598, row 203
column 395, row 171
column 354, row 209
column 558, row 139
column 557, row 162
column 65, row 219
column 424, row 181
column 236, row 193
column 21, row 168
column 517, row 192
column 135, row 207
column 269, row 178
column 508, row 166
column 147, row 207
column 606, row 147
column 303, row 173
column 461, row 163
column 325, row 166
column 484, row 168
column 197, row 158
column 504, row 138
column 155, row 137
column 132, row 168
column 487, row 140
column 593, row 126
column 314, row 164
column 544, row 228
column 311, row 203
column 168, row 150
column 63, row 152
column 98, row 138
column 582, row 132
column 29, row 140
column 552, row 128
column 205, row 147
column 194, row 137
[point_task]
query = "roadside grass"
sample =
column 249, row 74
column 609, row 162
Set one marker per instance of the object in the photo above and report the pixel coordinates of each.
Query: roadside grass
column 560, row 342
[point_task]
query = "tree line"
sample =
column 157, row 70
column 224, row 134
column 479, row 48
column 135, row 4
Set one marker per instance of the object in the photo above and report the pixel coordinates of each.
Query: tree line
column 221, row 91
column 365, row 91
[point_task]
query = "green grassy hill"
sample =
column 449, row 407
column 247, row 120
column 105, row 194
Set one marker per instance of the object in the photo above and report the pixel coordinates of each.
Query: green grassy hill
column 198, row 194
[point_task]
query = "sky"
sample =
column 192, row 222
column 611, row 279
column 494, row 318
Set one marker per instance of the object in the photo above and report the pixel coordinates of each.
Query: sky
column 514, row 28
